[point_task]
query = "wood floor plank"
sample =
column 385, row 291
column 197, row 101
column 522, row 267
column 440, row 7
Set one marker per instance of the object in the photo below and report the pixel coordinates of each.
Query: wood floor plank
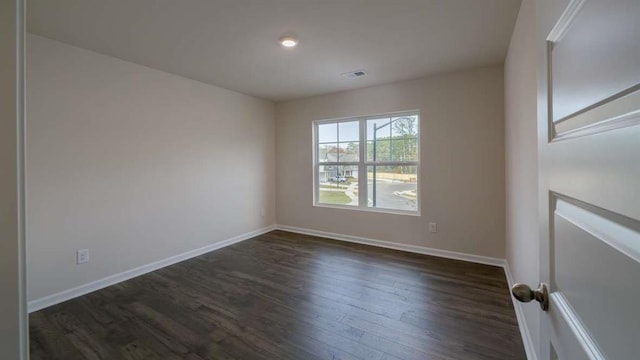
column 290, row 296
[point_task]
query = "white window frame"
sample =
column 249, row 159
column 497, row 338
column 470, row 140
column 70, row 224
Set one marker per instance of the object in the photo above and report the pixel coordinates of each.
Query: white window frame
column 363, row 163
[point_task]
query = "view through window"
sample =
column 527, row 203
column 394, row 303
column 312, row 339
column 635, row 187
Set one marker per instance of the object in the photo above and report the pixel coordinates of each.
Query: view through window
column 369, row 162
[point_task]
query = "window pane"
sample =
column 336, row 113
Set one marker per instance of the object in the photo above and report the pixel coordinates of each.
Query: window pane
column 404, row 126
column 327, row 152
column 378, row 128
column 369, row 151
column 338, row 185
column 328, row 133
column 404, row 150
column 392, row 187
column 382, row 150
column 349, row 131
column 349, row 152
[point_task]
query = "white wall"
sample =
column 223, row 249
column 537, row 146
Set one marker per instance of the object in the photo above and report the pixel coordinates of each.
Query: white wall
column 13, row 334
column 135, row 164
column 462, row 154
column 521, row 161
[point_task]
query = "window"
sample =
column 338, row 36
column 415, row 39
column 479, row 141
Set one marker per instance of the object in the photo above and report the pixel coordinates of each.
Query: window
column 369, row 163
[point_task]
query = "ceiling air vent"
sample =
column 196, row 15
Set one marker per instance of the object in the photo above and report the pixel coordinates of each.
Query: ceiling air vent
column 354, row 74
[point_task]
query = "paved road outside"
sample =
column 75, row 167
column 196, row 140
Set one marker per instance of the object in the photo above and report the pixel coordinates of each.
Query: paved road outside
column 387, row 198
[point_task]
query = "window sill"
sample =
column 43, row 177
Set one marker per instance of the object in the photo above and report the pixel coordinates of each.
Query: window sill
column 373, row 210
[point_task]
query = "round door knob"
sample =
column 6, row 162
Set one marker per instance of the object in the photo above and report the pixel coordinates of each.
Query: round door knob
column 525, row 294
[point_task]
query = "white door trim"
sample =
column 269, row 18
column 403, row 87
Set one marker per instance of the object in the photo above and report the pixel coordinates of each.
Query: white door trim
column 527, row 340
column 21, row 180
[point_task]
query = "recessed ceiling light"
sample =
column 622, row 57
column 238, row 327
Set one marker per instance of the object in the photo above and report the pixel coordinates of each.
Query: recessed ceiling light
column 288, row 41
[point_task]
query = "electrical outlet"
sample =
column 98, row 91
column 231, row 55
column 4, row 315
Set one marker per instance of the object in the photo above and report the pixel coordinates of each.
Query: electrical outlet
column 433, row 227
column 82, row 256
column 262, row 212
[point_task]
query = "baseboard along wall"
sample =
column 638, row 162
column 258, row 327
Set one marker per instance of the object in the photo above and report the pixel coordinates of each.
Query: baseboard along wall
column 524, row 330
column 529, row 347
column 397, row 246
column 77, row 291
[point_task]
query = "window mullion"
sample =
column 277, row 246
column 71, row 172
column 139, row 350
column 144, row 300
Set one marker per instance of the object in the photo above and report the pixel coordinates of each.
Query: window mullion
column 392, row 163
column 338, row 141
column 362, row 168
column 316, row 165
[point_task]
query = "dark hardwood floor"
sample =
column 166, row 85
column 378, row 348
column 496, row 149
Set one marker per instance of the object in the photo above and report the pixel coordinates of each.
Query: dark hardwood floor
column 290, row 296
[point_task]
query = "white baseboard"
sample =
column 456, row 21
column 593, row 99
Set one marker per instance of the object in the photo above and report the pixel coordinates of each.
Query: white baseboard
column 396, row 246
column 529, row 347
column 69, row 294
column 524, row 330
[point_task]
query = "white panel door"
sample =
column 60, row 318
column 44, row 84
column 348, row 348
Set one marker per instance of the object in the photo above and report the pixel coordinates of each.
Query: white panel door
column 589, row 144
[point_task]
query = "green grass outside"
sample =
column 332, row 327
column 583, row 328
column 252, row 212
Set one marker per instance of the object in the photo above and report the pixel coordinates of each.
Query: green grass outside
column 333, row 186
column 334, row 197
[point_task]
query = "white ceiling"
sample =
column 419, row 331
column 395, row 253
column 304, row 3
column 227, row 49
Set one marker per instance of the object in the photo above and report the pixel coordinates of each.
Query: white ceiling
column 234, row 43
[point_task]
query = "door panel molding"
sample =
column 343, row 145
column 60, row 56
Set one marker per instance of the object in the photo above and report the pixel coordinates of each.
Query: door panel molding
column 604, row 225
column 573, row 322
column 594, row 266
column 593, row 86
column 618, row 111
column 566, row 19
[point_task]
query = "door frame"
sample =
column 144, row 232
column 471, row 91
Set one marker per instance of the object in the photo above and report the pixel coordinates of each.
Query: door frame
column 15, row 327
column 544, row 23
